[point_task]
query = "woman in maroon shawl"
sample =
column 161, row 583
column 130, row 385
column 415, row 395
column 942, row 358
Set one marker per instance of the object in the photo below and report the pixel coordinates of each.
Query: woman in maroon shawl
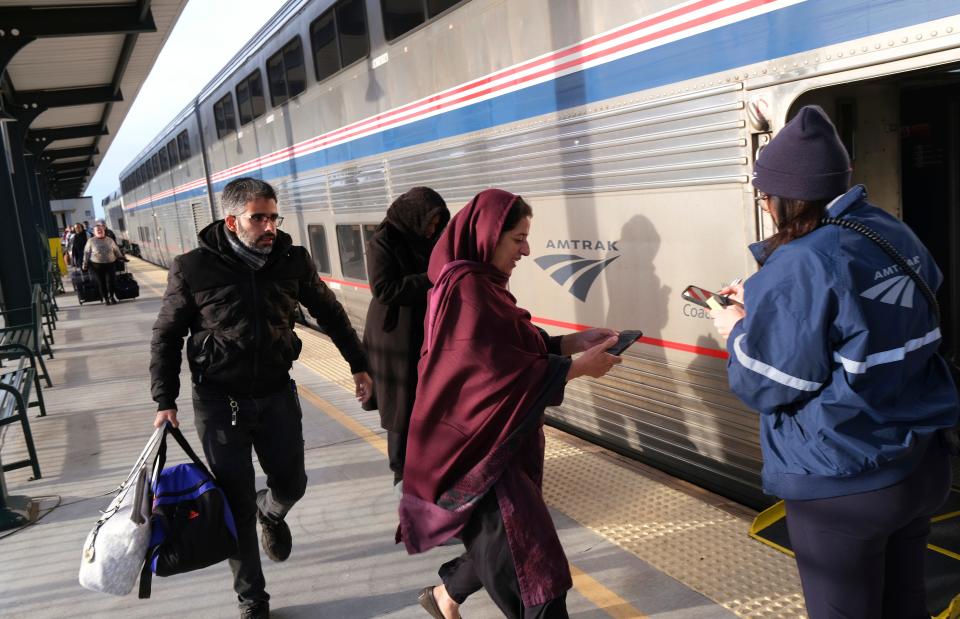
column 474, row 463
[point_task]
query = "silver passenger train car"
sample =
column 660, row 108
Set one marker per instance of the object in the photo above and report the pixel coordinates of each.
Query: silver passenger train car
column 112, row 207
column 631, row 127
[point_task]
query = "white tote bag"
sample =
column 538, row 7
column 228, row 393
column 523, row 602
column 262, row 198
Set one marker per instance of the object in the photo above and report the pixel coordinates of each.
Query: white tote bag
column 116, row 547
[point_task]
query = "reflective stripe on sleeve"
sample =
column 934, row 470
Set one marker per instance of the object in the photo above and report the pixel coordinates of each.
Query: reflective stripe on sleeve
column 887, row 356
column 771, row 372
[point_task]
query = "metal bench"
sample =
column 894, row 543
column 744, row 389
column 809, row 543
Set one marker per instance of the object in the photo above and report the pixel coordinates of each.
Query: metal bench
column 23, row 355
column 32, row 337
column 14, row 402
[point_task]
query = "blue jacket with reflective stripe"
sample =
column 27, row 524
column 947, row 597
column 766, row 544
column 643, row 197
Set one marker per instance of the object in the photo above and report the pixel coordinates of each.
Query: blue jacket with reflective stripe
column 838, row 352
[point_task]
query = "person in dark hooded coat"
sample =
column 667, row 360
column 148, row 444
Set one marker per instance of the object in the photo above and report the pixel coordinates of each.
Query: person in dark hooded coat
column 397, row 258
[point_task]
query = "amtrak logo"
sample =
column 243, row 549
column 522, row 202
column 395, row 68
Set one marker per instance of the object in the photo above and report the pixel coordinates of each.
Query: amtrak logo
column 896, row 290
column 585, row 270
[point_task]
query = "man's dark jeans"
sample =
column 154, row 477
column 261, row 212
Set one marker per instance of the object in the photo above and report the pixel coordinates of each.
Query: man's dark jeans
column 229, row 426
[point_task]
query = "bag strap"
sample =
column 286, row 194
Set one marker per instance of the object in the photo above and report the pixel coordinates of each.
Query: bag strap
column 184, row 445
column 891, row 251
column 146, row 580
column 143, row 457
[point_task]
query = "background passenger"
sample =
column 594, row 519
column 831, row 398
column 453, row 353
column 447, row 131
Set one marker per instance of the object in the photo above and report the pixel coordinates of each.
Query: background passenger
column 101, row 254
column 475, row 448
column 397, row 258
column 67, row 241
column 110, row 234
column 77, row 245
column 847, row 380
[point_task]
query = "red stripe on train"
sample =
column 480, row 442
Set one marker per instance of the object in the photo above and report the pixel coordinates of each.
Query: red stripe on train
column 697, row 350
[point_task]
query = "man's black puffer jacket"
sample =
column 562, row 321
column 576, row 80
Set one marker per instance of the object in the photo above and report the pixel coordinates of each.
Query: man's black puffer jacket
column 240, row 321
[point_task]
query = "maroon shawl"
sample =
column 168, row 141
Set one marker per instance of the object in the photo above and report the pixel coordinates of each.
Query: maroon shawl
column 477, row 423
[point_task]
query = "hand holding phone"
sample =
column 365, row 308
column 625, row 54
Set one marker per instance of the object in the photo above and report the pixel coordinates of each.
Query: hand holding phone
column 705, row 298
column 624, row 341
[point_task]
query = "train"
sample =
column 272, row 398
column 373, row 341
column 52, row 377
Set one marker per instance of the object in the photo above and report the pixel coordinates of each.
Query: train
column 630, row 127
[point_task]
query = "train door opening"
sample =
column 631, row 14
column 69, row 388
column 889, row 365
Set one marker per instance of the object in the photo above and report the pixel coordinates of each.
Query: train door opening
column 903, row 135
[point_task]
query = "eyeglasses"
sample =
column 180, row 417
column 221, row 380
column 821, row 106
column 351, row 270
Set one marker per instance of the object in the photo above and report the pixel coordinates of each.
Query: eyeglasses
column 761, row 201
column 262, row 218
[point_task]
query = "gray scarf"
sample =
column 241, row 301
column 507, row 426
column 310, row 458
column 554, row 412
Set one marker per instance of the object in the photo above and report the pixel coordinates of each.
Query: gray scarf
column 249, row 257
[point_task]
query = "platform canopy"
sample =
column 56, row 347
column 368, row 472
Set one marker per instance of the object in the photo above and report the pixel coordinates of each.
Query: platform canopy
column 72, row 70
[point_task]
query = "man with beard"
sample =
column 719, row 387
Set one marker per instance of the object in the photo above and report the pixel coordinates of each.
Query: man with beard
column 236, row 297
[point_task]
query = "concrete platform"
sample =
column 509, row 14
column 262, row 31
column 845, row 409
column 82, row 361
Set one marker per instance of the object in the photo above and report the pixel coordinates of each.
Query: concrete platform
column 344, row 563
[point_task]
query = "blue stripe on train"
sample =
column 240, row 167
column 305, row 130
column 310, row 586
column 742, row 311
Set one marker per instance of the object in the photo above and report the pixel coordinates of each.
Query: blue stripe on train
column 772, row 35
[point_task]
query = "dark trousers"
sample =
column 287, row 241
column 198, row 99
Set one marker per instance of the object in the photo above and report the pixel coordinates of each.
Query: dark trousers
column 488, row 564
column 105, row 278
column 862, row 555
column 271, row 426
column 396, row 452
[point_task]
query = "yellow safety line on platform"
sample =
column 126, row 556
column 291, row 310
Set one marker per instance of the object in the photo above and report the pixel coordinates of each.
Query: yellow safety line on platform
column 944, row 551
column 587, row 586
column 345, row 420
column 603, row 598
column 943, row 517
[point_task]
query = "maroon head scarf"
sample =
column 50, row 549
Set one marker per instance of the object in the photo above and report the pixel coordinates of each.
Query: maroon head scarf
column 485, row 378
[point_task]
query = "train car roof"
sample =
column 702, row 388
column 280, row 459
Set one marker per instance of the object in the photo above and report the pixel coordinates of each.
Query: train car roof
column 262, row 36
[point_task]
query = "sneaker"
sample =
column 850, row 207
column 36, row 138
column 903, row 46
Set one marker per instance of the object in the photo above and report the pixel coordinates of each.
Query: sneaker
column 275, row 536
column 260, row 610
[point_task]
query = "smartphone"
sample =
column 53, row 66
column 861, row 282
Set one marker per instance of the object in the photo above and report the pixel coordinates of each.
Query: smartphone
column 626, row 339
column 705, row 298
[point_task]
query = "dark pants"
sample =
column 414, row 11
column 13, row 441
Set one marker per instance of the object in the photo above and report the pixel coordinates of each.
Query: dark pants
column 396, row 452
column 105, row 278
column 862, row 555
column 488, row 564
column 271, row 425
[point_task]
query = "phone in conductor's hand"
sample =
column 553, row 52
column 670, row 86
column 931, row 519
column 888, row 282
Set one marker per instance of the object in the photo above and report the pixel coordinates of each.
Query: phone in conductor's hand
column 624, row 341
column 705, row 298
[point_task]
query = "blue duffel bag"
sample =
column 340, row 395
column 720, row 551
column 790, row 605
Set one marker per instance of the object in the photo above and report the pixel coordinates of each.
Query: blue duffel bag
column 192, row 525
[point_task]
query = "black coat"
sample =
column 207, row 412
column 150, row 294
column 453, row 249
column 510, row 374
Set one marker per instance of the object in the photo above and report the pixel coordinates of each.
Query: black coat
column 394, row 328
column 240, row 321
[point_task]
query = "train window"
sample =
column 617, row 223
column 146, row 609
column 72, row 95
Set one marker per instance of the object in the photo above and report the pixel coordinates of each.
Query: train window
column 223, row 116
column 318, row 248
column 352, row 30
column 402, row 16
column 339, row 38
column 435, row 7
column 183, row 145
column 351, row 252
column 250, row 98
column 172, row 153
column 164, row 161
column 368, row 230
column 323, row 37
column 286, row 72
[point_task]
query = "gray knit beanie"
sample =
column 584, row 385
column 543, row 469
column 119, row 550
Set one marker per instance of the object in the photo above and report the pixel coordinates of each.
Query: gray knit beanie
column 805, row 161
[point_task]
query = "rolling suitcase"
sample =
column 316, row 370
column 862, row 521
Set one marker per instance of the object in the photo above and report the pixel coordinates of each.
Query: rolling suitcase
column 125, row 287
column 86, row 286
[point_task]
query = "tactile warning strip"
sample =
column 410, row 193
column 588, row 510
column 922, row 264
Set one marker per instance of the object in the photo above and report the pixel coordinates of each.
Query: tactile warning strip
column 704, row 547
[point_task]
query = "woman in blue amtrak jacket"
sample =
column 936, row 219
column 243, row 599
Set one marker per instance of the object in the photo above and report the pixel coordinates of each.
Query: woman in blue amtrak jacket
column 836, row 348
